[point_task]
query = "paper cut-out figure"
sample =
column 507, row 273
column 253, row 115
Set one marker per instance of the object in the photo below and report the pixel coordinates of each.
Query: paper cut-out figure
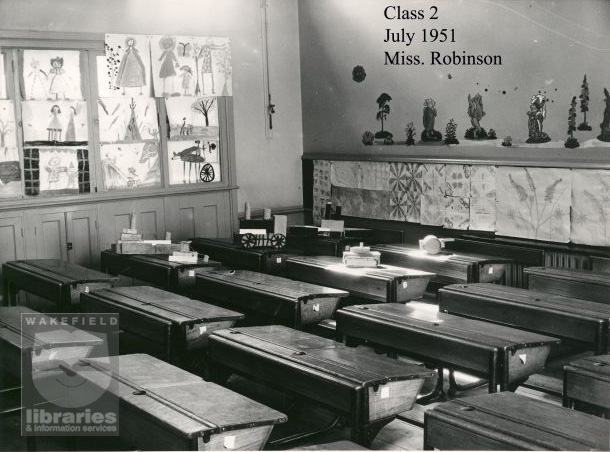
column 169, row 63
column 54, row 128
column 132, row 72
column 58, row 84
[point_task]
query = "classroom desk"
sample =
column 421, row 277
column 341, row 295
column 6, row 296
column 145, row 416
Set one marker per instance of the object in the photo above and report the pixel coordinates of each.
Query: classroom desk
column 163, row 324
column 583, row 284
column 266, row 260
column 317, row 245
column 450, row 267
column 269, row 299
column 367, row 388
column 166, row 408
column 155, row 269
column 567, row 318
column 587, row 381
column 385, row 283
column 506, row 421
column 57, row 281
column 506, row 356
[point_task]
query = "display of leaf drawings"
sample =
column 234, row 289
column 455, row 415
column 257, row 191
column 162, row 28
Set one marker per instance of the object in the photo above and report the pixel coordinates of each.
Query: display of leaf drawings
column 192, row 117
column 191, row 66
column 2, row 78
column 591, row 207
column 321, row 189
column 10, row 172
column 130, row 165
column 56, row 171
column 127, row 66
column 51, row 74
column 53, row 122
column 193, row 162
column 533, row 203
column 128, row 120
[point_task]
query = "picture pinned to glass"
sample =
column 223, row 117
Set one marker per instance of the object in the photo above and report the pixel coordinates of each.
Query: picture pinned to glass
column 10, row 170
column 52, row 75
column 56, row 171
column 192, row 162
column 192, row 117
column 127, row 66
column 54, row 123
column 191, row 66
column 130, row 165
column 128, row 120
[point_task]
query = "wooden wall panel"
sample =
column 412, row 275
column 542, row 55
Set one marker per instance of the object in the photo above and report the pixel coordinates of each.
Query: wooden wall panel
column 82, row 233
column 201, row 215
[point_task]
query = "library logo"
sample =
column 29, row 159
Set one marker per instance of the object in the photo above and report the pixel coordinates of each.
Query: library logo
column 69, row 367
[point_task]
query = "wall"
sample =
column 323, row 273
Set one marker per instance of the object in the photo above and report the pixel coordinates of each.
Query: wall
column 263, row 164
column 545, row 46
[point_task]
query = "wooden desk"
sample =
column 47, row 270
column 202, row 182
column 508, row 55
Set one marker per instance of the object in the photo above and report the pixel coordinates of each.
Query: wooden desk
column 163, row 324
column 450, row 267
column 571, row 283
column 156, row 269
column 367, row 388
column 55, row 280
column 315, row 245
column 385, row 283
column 269, row 299
column 165, row 408
column 506, row 421
column 506, row 356
column 567, row 318
column 266, row 260
column 587, row 381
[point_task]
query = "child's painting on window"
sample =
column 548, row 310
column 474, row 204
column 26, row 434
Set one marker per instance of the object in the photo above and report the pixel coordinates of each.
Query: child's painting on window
column 192, row 117
column 128, row 120
column 191, row 66
column 130, row 165
column 54, row 122
column 10, row 171
column 52, row 75
column 126, row 69
column 2, row 78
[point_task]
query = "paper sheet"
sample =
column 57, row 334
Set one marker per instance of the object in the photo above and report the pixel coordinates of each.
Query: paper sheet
column 457, row 212
column 457, row 180
column 192, row 162
column 433, row 179
column 130, row 165
column 432, row 209
column 127, row 120
column 534, row 203
column 365, row 175
column 191, row 66
column 591, row 207
column 56, row 171
column 350, row 200
column 2, row 78
column 127, row 68
column 54, row 121
column 191, row 116
column 52, row 74
column 483, row 198
column 321, row 189
column 398, row 205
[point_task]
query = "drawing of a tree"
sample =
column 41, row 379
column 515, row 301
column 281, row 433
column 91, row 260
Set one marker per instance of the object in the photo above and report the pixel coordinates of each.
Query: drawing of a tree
column 197, row 55
column 382, row 113
column 584, row 104
column 4, row 129
column 204, row 106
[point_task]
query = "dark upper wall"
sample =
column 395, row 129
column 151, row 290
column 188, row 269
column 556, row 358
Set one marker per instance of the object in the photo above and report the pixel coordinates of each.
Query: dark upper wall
column 544, row 45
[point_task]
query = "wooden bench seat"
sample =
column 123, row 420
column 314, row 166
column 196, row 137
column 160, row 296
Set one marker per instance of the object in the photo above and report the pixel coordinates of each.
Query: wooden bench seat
column 385, row 283
column 156, row 270
column 583, row 284
column 58, row 281
column 368, row 389
column 163, row 324
column 269, row 299
column 162, row 407
column 506, row 356
column 507, row 421
column 567, row 318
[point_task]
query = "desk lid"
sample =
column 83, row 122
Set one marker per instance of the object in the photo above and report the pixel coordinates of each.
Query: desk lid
column 529, row 421
column 262, row 282
column 163, row 259
column 582, row 276
column 596, row 365
column 175, row 398
column 425, row 318
column 444, row 256
column 162, row 304
column 61, row 271
column 348, row 366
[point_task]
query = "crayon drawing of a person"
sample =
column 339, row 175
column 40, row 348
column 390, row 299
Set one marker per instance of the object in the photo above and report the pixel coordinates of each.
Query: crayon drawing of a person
column 54, row 128
column 132, row 72
column 169, row 63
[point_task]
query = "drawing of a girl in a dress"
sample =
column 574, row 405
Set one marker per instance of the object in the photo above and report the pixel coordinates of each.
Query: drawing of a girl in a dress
column 54, row 128
column 131, row 73
column 187, row 75
column 37, row 79
column 58, row 83
column 169, row 63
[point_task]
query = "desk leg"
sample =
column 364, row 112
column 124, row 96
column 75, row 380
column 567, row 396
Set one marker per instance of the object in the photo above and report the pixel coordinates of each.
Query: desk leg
column 454, row 387
column 365, row 434
column 9, row 293
column 437, row 392
column 493, row 373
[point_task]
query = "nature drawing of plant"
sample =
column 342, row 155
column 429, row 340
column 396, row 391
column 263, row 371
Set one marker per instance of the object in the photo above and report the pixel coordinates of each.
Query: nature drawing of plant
column 598, row 201
column 534, row 212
